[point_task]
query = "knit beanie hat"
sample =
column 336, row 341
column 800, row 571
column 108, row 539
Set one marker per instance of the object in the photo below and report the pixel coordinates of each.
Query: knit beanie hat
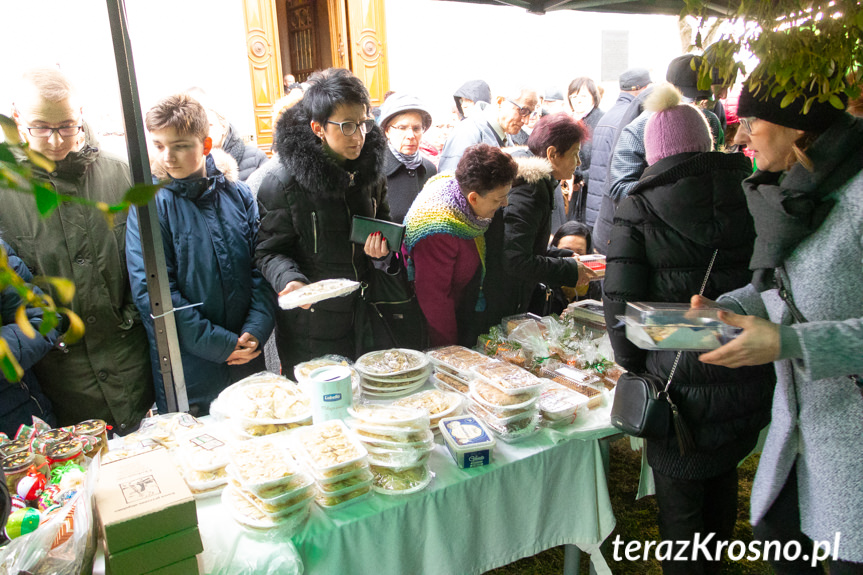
column 766, row 107
column 673, row 128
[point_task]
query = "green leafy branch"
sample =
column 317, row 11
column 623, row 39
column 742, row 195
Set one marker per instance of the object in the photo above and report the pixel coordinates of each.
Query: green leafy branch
column 19, row 172
column 810, row 49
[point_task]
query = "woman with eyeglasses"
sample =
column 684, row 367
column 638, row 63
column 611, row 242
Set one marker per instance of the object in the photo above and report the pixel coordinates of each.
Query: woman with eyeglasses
column 331, row 159
column 802, row 313
column 404, row 120
column 583, row 98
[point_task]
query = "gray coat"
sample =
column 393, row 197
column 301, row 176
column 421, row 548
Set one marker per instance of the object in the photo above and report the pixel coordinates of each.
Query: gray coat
column 817, row 411
column 470, row 131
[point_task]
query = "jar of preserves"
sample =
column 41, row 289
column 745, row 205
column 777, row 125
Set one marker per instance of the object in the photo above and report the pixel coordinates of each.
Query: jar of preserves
column 68, row 451
column 15, row 467
column 97, row 429
column 44, row 440
column 13, row 447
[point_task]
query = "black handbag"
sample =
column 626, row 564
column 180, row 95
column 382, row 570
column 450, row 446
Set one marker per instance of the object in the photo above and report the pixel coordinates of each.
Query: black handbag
column 393, row 313
column 642, row 406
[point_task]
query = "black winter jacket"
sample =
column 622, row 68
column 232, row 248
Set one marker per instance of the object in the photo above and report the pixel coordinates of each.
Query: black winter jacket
column 683, row 208
column 527, row 258
column 306, row 209
column 403, row 184
column 248, row 157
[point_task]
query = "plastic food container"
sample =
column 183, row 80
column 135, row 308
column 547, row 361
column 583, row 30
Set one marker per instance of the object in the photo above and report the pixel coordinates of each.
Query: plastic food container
column 426, row 439
column 200, row 481
column 390, row 416
column 595, row 263
column 329, row 449
column 559, row 405
column 448, row 382
column 287, row 505
column 676, row 327
column 511, row 429
column 388, row 363
column 468, row 441
column 401, row 480
column 491, row 396
column 509, row 378
column 245, row 513
column 456, row 359
column 337, row 500
column 318, row 291
column 382, row 457
column 438, row 404
column 511, row 322
column 340, row 483
column 260, row 465
column 570, row 378
column 365, row 432
column 204, row 449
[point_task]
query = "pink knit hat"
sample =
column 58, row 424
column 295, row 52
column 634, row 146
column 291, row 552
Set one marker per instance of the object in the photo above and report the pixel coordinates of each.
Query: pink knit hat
column 674, row 128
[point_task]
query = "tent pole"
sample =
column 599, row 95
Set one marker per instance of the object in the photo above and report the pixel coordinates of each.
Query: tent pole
column 165, row 325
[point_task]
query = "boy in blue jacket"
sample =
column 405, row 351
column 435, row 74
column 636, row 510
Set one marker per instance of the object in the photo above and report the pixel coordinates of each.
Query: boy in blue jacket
column 223, row 307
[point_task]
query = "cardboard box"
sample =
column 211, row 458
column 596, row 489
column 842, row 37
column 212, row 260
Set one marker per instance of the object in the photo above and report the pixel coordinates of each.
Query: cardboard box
column 142, row 498
column 157, row 555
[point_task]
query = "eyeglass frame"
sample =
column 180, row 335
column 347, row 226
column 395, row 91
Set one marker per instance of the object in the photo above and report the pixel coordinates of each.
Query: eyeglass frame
column 746, row 123
column 370, row 122
column 523, row 111
column 78, row 130
column 408, row 129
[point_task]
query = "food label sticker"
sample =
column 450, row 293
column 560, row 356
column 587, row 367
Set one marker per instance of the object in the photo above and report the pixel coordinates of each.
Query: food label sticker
column 333, row 397
column 207, row 442
column 478, row 459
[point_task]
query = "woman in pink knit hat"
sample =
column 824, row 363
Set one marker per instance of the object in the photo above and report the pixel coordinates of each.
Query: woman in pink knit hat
column 688, row 206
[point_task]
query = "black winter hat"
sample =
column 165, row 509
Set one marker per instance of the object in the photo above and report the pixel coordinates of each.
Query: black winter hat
column 763, row 106
column 685, row 79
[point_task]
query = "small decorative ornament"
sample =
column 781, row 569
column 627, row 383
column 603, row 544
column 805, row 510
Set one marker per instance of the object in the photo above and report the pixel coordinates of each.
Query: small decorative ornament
column 22, row 522
column 17, row 503
column 31, row 485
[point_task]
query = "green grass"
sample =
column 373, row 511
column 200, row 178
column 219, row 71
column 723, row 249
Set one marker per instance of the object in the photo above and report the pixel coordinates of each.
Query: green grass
column 636, row 521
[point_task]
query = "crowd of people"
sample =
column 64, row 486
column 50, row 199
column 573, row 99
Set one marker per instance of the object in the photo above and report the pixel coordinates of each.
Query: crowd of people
column 496, row 217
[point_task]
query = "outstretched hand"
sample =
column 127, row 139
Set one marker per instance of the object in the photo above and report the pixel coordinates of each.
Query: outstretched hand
column 757, row 344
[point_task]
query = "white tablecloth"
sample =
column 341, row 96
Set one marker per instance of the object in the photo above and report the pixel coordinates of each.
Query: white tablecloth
column 546, row 491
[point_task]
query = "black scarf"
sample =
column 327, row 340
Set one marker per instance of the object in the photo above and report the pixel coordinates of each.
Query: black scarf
column 789, row 207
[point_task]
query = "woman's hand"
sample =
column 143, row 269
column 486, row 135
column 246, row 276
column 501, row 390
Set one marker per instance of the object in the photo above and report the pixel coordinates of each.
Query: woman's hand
column 376, row 246
column 585, row 274
column 294, row 285
column 758, row 344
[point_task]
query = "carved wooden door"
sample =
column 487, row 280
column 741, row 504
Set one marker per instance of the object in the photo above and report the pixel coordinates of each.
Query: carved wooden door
column 367, row 46
column 303, row 44
column 265, row 68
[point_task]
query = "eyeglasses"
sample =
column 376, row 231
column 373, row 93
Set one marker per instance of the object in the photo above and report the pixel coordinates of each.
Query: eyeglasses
column 65, row 131
column 350, row 128
column 523, row 111
column 415, row 129
column 746, row 123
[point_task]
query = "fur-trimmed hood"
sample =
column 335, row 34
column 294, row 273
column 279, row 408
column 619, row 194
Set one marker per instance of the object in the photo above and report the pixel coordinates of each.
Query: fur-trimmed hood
column 223, row 162
column 303, row 156
column 531, row 169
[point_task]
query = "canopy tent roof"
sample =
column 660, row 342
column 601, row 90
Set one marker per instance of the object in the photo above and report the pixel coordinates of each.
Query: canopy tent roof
column 668, row 7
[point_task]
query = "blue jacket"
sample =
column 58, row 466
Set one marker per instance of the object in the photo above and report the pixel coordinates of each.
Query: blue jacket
column 209, row 228
column 20, row 401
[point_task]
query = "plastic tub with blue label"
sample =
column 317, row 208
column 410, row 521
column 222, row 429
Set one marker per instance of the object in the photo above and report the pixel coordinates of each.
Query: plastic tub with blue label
column 468, row 440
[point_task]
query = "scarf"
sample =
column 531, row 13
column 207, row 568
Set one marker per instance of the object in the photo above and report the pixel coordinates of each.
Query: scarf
column 411, row 162
column 789, row 207
column 441, row 208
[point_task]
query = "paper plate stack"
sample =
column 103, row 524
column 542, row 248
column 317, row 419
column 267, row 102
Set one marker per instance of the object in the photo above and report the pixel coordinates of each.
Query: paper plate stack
column 392, row 372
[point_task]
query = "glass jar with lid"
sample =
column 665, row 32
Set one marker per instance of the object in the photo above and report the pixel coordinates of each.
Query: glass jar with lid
column 15, row 467
column 97, row 429
column 66, row 452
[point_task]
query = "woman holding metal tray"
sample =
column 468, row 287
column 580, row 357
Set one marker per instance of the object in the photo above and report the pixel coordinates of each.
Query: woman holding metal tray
column 687, row 207
column 803, row 312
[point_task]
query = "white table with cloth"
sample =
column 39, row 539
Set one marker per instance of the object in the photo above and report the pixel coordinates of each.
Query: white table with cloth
column 545, row 491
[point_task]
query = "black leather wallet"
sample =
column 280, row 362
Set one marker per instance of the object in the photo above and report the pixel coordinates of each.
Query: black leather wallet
column 362, row 228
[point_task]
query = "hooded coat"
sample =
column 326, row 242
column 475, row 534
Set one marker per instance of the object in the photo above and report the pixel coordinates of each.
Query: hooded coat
column 106, row 374
column 306, row 209
column 20, row 401
column 664, row 235
column 474, row 90
column 209, row 226
column 527, row 257
column 249, row 158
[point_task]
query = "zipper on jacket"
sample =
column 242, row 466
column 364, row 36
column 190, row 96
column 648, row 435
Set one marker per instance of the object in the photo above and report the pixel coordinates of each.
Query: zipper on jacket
column 315, row 231
column 353, row 245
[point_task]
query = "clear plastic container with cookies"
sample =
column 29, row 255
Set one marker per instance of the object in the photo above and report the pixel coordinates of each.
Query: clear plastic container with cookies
column 341, row 482
column 345, row 497
column 329, row 449
column 676, row 326
column 398, row 457
column 508, row 429
column 389, row 416
column 497, row 401
column 508, row 378
column 447, row 382
column 456, row 359
column 388, row 434
column 560, row 405
column 204, row 448
column 260, row 465
column 438, row 404
column 280, row 506
column 404, row 480
column 244, row 512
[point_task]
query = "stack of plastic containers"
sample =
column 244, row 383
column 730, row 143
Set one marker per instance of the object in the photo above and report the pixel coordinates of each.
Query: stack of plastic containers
column 453, row 367
column 202, row 455
column 438, row 404
column 337, row 462
column 263, row 404
column 506, row 398
column 560, row 405
column 267, row 488
column 398, row 441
